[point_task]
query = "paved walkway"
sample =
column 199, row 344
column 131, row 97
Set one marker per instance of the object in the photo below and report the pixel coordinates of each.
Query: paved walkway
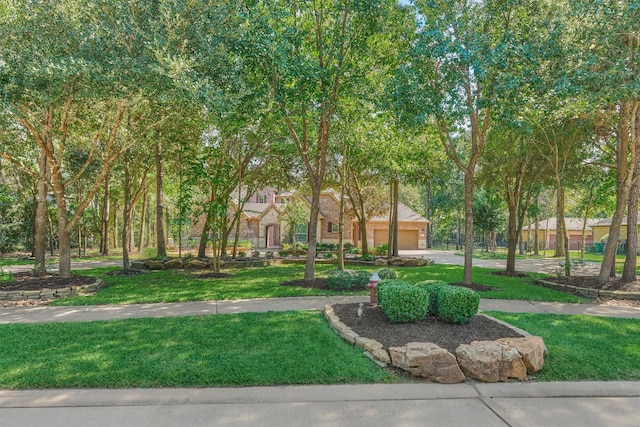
column 412, row 404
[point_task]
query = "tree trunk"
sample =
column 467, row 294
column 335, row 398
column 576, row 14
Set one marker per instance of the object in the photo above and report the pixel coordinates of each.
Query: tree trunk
column 160, row 242
column 512, row 239
column 40, row 220
column 143, row 219
column 536, row 236
column 394, row 250
column 467, row 278
column 104, row 235
column 427, row 208
column 313, row 232
column 561, row 232
column 363, row 235
column 126, row 212
column 624, row 178
column 629, row 273
column 204, row 236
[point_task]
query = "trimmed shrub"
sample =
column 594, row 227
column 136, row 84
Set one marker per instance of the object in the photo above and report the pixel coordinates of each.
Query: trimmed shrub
column 360, row 277
column 387, row 273
column 403, row 303
column 268, row 255
column 387, row 283
column 433, row 289
column 255, row 254
column 339, row 279
column 457, row 304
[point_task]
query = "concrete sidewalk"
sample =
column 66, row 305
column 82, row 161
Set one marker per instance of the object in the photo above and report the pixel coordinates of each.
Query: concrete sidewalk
column 41, row 314
column 415, row 404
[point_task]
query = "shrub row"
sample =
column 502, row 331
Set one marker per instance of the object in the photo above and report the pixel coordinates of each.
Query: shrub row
column 347, row 279
column 403, row 302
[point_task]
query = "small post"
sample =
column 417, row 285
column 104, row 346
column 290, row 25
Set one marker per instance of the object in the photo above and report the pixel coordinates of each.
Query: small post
column 372, row 286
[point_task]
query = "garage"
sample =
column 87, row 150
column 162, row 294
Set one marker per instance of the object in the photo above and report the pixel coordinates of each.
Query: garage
column 407, row 239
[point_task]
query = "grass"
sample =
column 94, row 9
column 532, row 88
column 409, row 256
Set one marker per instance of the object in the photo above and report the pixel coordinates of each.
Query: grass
column 264, row 282
column 180, row 286
column 583, row 348
column 505, row 287
column 206, row 351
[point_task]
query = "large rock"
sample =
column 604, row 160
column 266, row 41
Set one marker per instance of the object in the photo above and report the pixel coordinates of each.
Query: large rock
column 427, row 360
column 396, row 262
column 153, row 264
column 195, row 264
column 532, row 350
column 490, row 361
column 410, row 262
column 173, row 264
column 381, row 262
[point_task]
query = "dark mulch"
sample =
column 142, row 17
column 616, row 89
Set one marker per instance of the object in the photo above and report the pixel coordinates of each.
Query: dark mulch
column 129, row 272
column 315, row 283
column 374, row 324
column 504, row 273
column 29, row 282
column 212, row 275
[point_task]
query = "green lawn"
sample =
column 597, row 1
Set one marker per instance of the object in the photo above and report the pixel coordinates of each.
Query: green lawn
column 583, row 348
column 206, row 351
column 264, row 282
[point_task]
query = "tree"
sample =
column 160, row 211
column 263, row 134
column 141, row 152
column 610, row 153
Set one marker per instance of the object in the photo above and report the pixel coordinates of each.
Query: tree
column 307, row 74
column 453, row 76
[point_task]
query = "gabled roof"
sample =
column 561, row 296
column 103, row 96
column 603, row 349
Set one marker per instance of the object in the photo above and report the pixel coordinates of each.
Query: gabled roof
column 606, row 222
column 573, row 224
column 257, row 210
column 405, row 214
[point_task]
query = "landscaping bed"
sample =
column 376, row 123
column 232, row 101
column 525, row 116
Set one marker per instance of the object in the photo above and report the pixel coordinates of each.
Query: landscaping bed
column 376, row 325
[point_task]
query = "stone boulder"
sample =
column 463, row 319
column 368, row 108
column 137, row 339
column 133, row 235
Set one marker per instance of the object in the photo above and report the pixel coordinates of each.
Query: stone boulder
column 153, row 264
column 195, row 264
column 381, row 262
column 172, row 264
column 490, row 361
column 396, row 262
column 427, row 360
column 532, row 350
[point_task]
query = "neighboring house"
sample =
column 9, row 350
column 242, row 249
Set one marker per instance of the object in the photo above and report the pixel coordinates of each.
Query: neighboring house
column 262, row 225
column 547, row 233
column 601, row 230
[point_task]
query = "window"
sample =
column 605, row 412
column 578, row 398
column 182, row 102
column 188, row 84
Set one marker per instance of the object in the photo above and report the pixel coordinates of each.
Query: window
column 301, row 233
column 333, row 227
column 261, row 199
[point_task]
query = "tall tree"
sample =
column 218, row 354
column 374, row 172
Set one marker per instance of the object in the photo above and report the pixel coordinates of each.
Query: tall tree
column 309, row 53
column 453, row 75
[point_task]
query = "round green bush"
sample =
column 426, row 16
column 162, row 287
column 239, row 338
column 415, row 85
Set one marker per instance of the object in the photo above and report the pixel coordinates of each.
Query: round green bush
column 388, row 283
column 339, row 279
column 403, row 303
column 433, row 289
column 387, row 273
column 457, row 304
column 360, row 277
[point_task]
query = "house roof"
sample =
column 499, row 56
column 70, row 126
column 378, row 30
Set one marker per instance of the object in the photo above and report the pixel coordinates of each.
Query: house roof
column 256, row 210
column 573, row 224
column 606, row 222
column 405, row 214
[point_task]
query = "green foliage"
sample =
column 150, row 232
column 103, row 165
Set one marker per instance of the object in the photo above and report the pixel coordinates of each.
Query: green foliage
column 339, row 279
column 360, row 277
column 347, row 279
column 433, row 288
column 387, row 273
column 457, row 304
column 382, row 250
column 5, row 277
column 387, row 283
column 268, row 254
column 403, row 303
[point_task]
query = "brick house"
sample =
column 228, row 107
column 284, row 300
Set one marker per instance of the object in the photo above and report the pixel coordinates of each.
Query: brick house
column 262, row 225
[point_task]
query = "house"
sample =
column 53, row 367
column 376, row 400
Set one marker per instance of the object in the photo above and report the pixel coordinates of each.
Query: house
column 601, row 231
column 262, row 222
column 547, row 233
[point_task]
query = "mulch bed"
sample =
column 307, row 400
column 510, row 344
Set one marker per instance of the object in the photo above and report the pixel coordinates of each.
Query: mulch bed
column 375, row 324
column 29, row 282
